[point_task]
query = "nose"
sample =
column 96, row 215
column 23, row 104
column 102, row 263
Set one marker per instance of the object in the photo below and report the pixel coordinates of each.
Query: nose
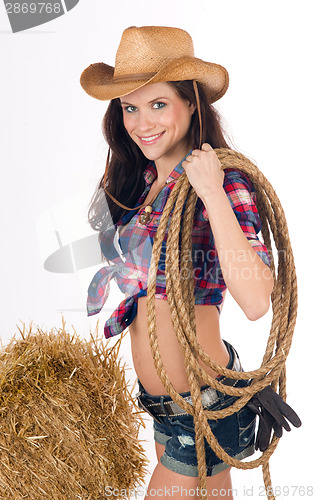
column 145, row 122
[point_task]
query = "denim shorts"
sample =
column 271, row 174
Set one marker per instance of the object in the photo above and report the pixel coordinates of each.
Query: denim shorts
column 235, row 433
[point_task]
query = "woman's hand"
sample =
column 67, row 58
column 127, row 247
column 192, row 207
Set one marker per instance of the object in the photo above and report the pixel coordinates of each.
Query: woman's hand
column 204, row 171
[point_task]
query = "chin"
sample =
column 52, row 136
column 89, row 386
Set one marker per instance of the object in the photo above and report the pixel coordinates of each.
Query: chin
column 151, row 155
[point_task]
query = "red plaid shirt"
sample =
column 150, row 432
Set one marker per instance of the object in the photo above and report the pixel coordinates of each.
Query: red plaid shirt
column 130, row 251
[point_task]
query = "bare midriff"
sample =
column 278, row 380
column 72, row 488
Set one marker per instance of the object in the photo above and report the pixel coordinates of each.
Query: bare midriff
column 208, row 335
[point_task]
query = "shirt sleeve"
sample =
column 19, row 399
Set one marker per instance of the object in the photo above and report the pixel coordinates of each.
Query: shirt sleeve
column 242, row 197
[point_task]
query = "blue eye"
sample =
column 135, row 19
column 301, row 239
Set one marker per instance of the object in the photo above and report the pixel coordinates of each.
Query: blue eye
column 159, row 105
column 130, row 109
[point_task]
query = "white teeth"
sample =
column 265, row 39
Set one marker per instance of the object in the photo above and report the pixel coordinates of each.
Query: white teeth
column 149, row 139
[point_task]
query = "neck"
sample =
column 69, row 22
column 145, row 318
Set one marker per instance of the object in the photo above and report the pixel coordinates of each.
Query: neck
column 166, row 164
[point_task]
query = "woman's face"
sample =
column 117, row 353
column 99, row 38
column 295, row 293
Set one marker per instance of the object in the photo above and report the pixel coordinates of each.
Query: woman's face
column 158, row 120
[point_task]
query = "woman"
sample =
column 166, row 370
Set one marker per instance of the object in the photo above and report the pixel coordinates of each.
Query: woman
column 159, row 124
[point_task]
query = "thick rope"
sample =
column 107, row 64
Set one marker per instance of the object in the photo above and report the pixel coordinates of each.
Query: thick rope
column 180, row 294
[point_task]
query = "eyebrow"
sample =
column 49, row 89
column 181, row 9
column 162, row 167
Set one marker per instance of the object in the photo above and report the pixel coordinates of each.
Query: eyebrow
column 155, row 99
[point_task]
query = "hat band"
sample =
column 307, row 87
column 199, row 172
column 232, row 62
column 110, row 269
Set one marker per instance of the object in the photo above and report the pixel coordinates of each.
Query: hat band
column 134, row 76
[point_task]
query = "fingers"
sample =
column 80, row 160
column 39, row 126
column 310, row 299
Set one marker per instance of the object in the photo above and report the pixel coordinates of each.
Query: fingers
column 197, row 152
column 205, row 147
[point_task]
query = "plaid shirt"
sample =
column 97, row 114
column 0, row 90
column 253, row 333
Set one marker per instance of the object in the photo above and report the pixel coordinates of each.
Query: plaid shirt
column 130, row 250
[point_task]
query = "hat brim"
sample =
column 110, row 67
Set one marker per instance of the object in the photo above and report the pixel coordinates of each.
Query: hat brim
column 98, row 79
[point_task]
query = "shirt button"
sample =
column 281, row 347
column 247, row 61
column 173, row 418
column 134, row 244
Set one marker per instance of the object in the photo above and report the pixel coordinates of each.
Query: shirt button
column 94, row 285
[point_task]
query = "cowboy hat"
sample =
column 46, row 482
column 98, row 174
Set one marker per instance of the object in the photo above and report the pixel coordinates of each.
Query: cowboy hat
column 152, row 54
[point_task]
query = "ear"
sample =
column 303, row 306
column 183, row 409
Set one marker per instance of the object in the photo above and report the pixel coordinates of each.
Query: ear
column 192, row 108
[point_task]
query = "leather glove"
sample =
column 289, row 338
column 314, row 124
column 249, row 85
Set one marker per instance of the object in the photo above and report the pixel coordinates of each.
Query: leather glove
column 272, row 412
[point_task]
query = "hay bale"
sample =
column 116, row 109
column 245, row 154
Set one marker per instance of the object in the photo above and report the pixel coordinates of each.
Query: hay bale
column 68, row 425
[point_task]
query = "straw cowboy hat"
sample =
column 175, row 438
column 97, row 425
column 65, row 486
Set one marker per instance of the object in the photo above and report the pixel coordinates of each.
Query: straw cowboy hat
column 152, row 54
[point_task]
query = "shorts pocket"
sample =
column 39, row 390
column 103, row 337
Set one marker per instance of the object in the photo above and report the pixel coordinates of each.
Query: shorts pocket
column 246, row 423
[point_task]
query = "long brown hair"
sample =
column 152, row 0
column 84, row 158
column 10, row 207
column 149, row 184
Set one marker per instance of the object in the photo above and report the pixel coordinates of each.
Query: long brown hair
column 125, row 172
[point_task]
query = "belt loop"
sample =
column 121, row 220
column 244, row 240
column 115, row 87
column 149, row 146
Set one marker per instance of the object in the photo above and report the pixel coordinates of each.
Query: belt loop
column 162, row 405
column 221, row 396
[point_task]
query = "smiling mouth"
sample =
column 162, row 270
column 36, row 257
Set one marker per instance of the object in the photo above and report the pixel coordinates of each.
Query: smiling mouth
column 150, row 140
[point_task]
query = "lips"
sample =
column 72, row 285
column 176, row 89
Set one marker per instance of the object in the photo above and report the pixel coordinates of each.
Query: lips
column 152, row 139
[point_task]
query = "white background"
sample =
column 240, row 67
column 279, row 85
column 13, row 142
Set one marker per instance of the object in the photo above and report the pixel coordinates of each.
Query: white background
column 53, row 153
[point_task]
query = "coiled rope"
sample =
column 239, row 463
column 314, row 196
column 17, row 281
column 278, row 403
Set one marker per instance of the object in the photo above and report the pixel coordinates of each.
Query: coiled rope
column 180, row 294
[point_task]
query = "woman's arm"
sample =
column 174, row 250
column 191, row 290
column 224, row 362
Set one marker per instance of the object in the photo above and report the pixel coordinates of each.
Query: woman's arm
column 248, row 279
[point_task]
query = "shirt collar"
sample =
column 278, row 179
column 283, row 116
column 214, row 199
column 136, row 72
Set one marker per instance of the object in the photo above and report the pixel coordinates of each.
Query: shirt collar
column 150, row 173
